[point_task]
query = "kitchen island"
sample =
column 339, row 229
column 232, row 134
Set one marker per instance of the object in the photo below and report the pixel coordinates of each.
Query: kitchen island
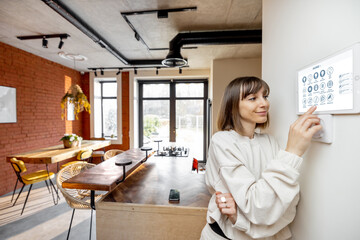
column 139, row 207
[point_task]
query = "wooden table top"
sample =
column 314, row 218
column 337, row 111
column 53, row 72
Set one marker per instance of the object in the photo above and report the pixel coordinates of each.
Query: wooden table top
column 151, row 183
column 57, row 153
column 104, row 175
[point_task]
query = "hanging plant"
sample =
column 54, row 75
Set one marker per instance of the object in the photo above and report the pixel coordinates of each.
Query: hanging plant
column 75, row 96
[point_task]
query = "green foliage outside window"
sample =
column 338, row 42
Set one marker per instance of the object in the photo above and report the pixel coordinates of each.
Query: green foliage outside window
column 151, row 124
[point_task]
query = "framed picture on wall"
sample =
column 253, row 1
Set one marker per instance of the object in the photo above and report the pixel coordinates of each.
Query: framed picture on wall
column 7, row 104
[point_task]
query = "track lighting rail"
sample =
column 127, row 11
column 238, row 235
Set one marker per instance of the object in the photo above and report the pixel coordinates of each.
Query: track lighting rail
column 61, row 35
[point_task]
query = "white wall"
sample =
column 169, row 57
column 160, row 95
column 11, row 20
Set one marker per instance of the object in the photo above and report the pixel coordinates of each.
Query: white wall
column 296, row 33
column 223, row 71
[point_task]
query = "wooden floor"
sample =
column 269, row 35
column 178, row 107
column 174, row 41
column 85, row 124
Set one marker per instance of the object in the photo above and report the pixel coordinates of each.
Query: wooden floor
column 41, row 218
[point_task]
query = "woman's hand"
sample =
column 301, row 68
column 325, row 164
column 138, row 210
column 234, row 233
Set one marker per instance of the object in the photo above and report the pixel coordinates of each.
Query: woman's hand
column 227, row 205
column 301, row 132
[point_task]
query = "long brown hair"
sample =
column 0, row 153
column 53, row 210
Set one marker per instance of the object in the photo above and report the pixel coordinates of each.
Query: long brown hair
column 239, row 88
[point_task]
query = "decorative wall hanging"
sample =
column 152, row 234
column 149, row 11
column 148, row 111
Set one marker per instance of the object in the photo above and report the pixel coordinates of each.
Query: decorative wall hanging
column 7, row 105
column 76, row 97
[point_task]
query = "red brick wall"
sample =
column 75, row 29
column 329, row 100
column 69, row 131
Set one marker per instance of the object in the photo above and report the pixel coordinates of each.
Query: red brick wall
column 125, row 114
column 85, row 116
column 40, row 85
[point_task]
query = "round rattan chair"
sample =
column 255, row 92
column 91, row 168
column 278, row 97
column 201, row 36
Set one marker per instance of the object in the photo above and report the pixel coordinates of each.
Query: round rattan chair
column 111, row 153
column 98, row 153
column 83, row 155
column 76, row 198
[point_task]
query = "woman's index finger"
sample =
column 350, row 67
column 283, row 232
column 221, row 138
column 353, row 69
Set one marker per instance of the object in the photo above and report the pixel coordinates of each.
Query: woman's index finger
column 311, row 110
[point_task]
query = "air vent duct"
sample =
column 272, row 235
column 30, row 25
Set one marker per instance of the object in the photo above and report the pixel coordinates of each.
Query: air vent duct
column 174, row 58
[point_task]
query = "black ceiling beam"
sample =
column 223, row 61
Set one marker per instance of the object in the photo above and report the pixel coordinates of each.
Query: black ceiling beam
column 129, row 68
column 123, row 68
column 159, row 10
column 69, row 15
column 61, row 35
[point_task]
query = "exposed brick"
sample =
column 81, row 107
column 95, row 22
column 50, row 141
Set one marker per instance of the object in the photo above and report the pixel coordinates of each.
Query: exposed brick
column 40, row 85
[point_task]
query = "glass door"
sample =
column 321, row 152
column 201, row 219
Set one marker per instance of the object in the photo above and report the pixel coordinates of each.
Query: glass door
column 154, row 113
column 174, row 112
column 190, row 125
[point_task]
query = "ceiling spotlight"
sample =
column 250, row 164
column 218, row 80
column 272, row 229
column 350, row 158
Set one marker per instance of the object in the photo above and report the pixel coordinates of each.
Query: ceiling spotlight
column 135, row 71
column 137, row 36
column 102, row 71
column 118, row 71
column 44, row 43
column 95, row 73
column 44, row 38
column 162, row 14
column 61, row 43
column 157, row 71
column 180, row 71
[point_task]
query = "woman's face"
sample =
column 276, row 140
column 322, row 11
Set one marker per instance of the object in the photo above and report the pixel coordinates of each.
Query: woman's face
column 254, row 108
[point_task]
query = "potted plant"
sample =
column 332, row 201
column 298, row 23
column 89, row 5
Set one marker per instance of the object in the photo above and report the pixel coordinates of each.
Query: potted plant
column 71, row 140
column 75, row 96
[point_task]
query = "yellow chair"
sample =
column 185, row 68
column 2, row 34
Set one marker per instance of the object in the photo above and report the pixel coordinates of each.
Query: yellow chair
column 98, row 153
column 31, row 178
column 76, row 198
column 111, row 153
column 82, row 156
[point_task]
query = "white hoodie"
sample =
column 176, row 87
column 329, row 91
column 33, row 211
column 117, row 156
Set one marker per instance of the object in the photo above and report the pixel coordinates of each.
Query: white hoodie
column 262, row 179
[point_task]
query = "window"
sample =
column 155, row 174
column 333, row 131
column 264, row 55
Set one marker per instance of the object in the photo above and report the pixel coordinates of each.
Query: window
column 174, row 111
column 106, row 110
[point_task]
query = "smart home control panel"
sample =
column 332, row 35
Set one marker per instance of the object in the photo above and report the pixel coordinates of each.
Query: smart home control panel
column 332, row 84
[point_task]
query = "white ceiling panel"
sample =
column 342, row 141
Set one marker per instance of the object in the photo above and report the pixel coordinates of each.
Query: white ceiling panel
column 34, row 17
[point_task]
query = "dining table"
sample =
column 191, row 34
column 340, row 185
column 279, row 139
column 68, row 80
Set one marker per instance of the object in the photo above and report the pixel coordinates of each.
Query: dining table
column 57, row 153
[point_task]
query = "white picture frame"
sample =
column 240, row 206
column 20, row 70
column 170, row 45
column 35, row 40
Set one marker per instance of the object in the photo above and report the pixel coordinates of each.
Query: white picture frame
column 8, row 105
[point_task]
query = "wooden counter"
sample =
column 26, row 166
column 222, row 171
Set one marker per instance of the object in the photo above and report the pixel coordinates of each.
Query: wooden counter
column 139, row 208
column 105, row 175
column 56, row 153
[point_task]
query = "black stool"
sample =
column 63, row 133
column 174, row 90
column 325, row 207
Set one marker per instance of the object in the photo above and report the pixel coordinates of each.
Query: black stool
column 146, row 149
column 158, row 142
column 123, row 163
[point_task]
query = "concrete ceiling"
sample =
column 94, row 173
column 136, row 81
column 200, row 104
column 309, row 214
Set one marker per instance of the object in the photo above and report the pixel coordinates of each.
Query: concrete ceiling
column 34, row 17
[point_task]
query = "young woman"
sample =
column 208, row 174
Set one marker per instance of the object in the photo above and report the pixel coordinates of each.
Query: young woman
column 254, row 184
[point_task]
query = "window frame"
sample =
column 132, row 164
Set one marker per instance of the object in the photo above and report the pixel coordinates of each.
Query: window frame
column 172, row 102
column 95, row 113
column 102, row 107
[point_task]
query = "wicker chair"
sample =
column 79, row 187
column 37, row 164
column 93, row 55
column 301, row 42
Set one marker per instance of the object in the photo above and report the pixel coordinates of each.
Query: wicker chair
column 76, row 198
column 82, row 156
column 98, row 153
column 111, row 153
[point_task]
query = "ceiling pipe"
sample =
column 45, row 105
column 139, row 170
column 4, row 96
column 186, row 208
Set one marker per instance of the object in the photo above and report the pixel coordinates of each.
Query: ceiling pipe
column 69, row 15
column 174, row 58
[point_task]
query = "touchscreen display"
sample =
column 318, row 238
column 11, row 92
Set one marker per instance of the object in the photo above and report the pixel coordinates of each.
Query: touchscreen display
column 327, row 84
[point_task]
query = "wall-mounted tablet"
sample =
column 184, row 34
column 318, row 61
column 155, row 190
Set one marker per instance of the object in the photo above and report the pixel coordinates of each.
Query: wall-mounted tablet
column 331, row 83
